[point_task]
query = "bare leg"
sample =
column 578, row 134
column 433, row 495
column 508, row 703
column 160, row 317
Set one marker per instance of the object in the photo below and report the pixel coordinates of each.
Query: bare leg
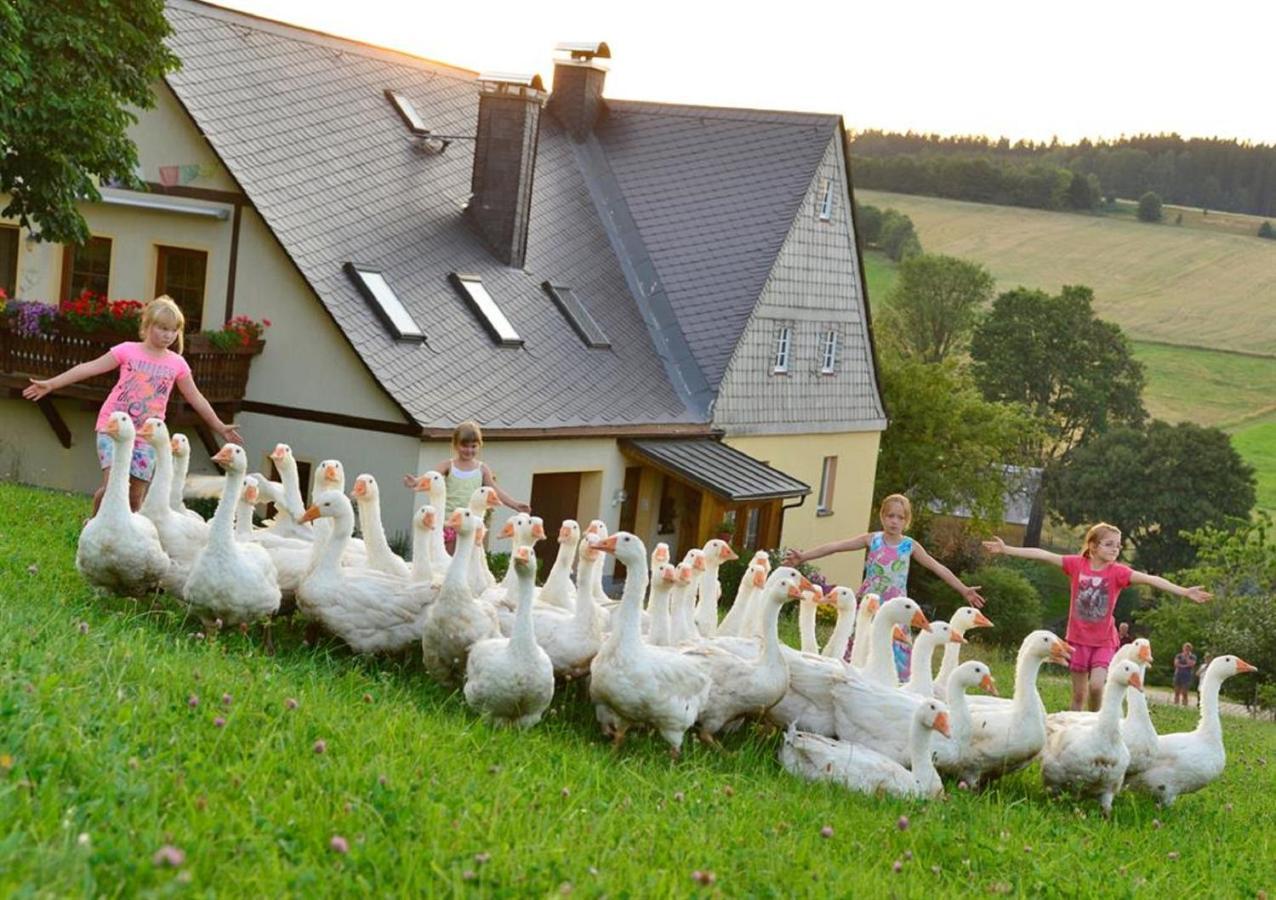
column 1097, row 678
column 136, row 492
column 1079, row 680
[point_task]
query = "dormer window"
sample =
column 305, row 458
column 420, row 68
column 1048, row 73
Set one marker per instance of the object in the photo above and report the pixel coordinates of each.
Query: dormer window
column 407, row 112
column 383, row 300
column 826, row 201
column 828, row 353
column 783, row 350
column 575, row 312
column 489, row 314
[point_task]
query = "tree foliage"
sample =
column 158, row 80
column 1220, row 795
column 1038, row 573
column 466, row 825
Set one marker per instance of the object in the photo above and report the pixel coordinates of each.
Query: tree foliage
column 1266, row 230
column 934, row 305
column 946, row 445
column 68, row 73
column 1150, row 207
column 1052, row 354
column 897, row 237
column 1157, row 485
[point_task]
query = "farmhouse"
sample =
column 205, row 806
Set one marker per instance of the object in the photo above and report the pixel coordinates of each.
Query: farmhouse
column 657, row 312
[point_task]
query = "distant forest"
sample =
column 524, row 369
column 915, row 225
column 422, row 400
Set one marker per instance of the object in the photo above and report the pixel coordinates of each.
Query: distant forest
column 1205, row 172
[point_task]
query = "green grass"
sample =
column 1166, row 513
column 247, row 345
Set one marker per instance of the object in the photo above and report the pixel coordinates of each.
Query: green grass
column 1201, row 287
column 880, row 271
column 1208, row 387
column 97, row 739
column 1256, row 443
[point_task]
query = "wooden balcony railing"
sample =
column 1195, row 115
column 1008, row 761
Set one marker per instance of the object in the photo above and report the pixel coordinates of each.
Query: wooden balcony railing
column 222, row 375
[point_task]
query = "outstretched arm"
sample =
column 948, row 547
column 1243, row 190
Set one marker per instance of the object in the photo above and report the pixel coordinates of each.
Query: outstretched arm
column 997, row 545
column 489, row 481
column 38, row 388
column 1196, row 593
column 968, row 593
column 197, row 401
column 795, row 556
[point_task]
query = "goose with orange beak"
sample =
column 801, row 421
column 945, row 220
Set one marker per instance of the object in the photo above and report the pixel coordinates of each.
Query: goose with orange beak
column 962, row 620
column 120, row 550
column 1088, row 756
column 633, row 683
column 559, row 591
column 1008, row 734
column 230, row 580
column 181, row 536
column 367, row 496
column 815, row 757
column 1188, row 761
column 456, row 620
column 940, row 634
column 898, row 611
column 716, row 552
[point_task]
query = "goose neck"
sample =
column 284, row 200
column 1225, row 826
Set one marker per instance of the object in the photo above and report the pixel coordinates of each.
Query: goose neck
column 458, row 573
column 919, row 677
column 180, row 466
column 919, row 752
column 224, row 517
column 334, row 545
column 115, row 498
column 523, row 637
column 843, row 628
column 1026, row 680
column 629, row 628
column 806, row 625
column 1209, row 723
column 159, row 494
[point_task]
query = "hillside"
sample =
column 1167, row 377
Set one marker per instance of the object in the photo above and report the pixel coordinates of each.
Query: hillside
column 1185, row 286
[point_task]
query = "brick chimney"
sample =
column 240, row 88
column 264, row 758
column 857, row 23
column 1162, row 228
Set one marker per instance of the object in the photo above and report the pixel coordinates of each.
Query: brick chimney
column 577, row 99
column 505, row 161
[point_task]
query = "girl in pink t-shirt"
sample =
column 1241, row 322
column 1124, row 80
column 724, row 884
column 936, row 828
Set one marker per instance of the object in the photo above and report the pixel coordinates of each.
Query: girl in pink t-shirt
column 1096, row 579
column 148, row 372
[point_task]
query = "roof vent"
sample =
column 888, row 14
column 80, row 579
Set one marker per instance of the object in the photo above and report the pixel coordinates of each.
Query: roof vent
column 584, row 50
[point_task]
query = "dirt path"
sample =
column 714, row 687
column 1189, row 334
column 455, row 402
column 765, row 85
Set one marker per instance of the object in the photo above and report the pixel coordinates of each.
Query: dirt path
column 1226, row 707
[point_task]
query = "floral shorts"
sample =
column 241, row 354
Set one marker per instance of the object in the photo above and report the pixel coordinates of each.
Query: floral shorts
column 141, row 466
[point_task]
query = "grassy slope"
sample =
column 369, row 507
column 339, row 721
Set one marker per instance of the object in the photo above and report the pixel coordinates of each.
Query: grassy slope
column 97, row 739
column 1185, row 286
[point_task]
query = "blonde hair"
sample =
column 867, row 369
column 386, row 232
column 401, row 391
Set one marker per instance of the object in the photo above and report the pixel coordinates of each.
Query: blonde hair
column 1095, row 534
column 164, row 308
column 902, row 501
column 466, row 433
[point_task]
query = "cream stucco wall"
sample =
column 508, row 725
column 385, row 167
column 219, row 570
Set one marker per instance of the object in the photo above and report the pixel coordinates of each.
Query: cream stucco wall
column 802, row 456
column 166, row 137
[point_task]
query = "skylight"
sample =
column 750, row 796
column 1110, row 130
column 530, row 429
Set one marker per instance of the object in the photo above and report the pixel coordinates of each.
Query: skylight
column 499, row 327
column 585, row 324
column 381, row 297
column 407, row 112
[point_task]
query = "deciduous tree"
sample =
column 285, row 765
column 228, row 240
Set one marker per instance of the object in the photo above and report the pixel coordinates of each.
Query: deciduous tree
column 69, row 71
column 1157, row 485
column 934, row 305
column 1150, row 207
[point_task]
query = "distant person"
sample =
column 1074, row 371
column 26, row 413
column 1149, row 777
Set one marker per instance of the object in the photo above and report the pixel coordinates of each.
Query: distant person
column 1097, row 579
column 1184, row 672
column 1123, row 634
column 886, row 564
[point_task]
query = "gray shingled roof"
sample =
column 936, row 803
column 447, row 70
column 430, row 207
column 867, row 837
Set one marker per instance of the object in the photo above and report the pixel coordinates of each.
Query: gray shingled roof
column 301, row 122
column 714, row 193
column 731, row 474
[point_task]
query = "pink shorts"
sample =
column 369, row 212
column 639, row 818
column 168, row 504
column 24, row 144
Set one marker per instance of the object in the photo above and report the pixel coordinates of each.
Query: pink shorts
column 1087, row 656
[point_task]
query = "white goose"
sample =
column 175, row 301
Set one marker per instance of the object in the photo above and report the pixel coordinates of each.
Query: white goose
column 435, row 487
column 664, row 578
column 632, row 683
column 482, row 582
column 558, row 590
column 369, row 610
column 962, row 620
column 1088, row 756
column 941, row 634
column 844, row 627
column 818, row 758
column 424, row 526
column 380, row 557
column 1189, row 760
column 181, row 447
column 953, row 757
column 748, row 687
column 733, row 623
column 181, row 536
column 231, row 580
column 709, row 589
column 455, row 621
column 869, row 605
column 1006, row 736
column 286, row 495
column 808, row 611
column 330, row 475
column 898, row 611
column 120, row 550
column 510, row 681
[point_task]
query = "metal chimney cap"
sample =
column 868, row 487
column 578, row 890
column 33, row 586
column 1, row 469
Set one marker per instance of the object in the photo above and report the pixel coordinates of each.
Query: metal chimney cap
column 517, row 79
column 585, row 49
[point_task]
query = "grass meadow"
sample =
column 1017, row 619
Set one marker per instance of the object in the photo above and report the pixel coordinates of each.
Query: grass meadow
column 1186, row 286
column 123, row 732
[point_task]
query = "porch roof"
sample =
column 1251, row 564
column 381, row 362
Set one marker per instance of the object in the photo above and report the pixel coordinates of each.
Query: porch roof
column 725, row 471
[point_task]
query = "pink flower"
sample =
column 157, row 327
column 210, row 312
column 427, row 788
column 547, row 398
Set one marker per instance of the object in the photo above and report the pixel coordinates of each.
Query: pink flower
column 226, row 699
column 321, row 746
column 290, row 703
column 902, row 824
column 338, row 844
column 168, row 855
column 826, row 831
column 192, row 701
column 219, row 722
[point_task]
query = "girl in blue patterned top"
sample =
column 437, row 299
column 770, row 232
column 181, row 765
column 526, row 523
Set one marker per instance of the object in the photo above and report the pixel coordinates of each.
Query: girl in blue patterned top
column 886, row 564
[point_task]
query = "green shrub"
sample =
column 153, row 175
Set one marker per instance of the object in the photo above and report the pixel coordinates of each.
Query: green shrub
column 498, row 562
column 1170, row 624
column 869, row 219
column 1267, row 231
column 1150, row 207
column 1052, row 587
column 1012, row 604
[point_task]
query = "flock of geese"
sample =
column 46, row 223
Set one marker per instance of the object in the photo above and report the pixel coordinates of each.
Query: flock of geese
column 659, row 658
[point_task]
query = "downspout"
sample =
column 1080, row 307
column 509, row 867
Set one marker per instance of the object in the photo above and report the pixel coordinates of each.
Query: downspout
column 783, row 508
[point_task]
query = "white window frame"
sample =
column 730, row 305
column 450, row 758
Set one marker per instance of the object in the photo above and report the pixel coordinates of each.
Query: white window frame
column 376, row 290
column 828, row 352
column 828, row 482
column 826, row 203
column 487, row 309
column 783, row 350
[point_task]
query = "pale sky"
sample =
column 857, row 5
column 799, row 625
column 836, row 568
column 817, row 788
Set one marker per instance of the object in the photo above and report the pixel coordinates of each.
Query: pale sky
column 1021, row 69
